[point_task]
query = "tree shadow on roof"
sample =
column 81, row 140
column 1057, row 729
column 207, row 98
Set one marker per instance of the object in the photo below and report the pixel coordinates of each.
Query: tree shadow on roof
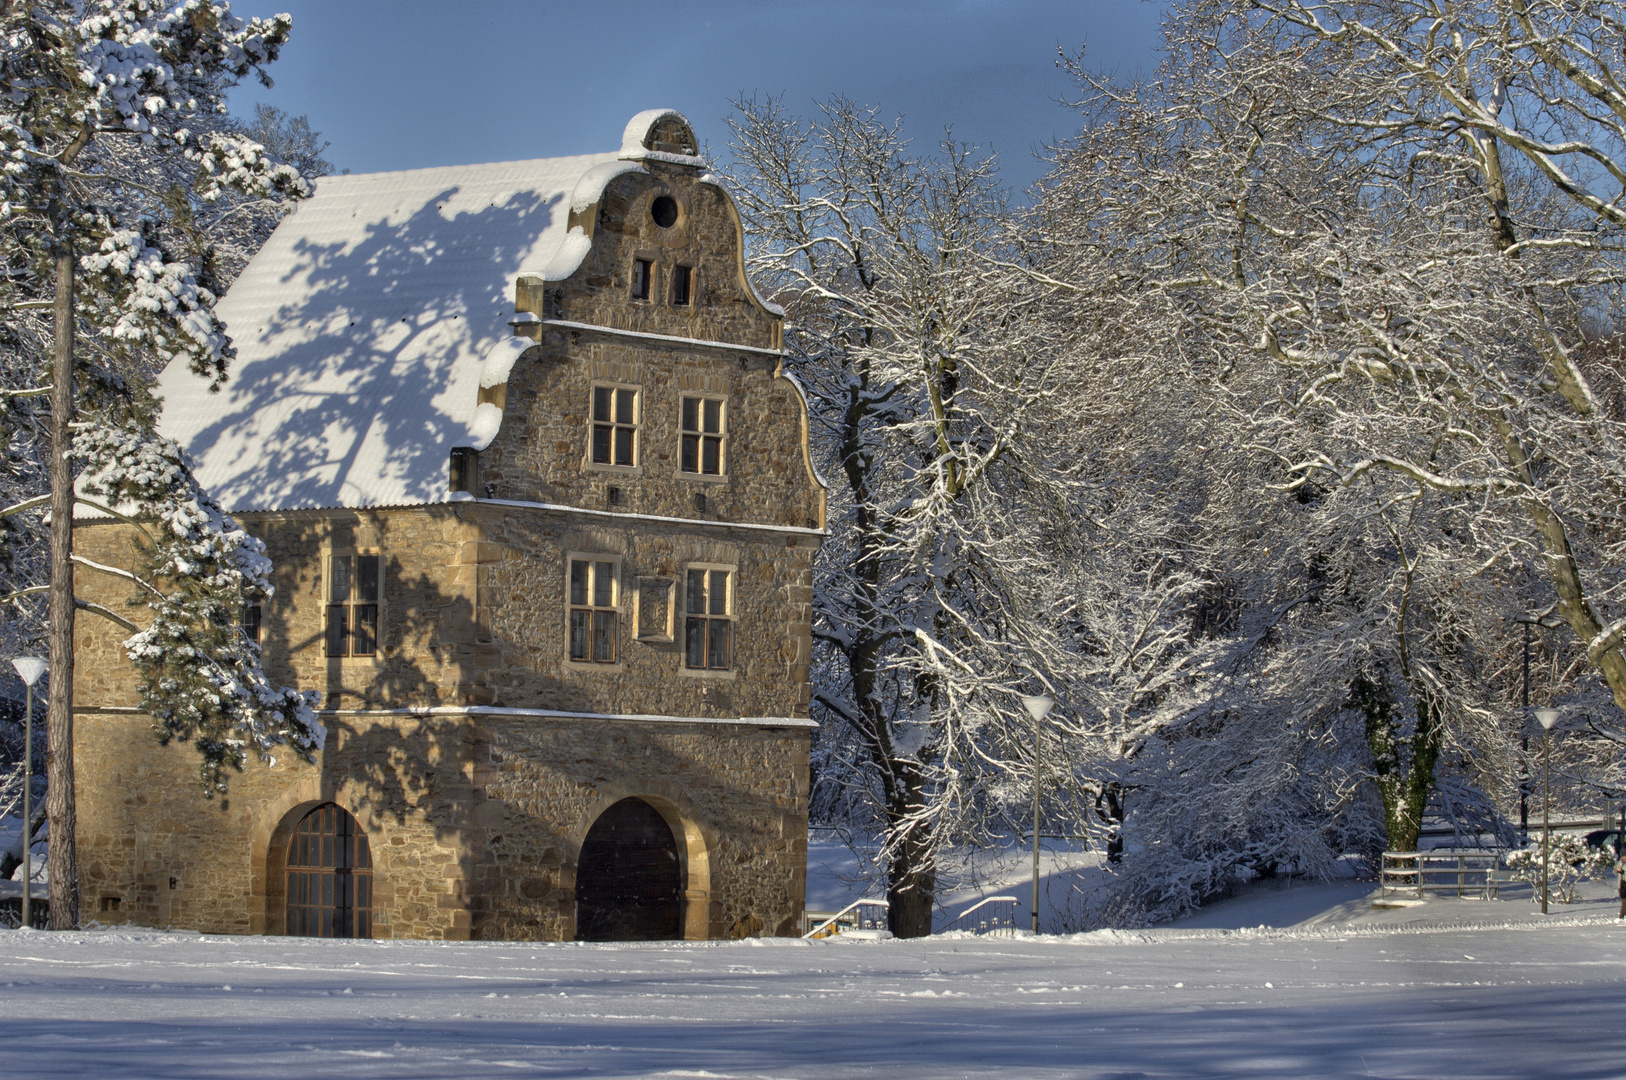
column 363, row 359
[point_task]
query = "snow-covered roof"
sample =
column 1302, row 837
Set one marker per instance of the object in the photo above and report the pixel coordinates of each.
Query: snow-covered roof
column 362, row 326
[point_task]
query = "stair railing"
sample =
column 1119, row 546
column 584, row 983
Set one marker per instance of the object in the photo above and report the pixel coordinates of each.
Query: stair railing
column 837, row 922
column 998, row 918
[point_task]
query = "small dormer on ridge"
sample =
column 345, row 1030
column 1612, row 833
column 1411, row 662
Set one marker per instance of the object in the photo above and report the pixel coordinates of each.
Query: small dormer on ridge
column 661, row 135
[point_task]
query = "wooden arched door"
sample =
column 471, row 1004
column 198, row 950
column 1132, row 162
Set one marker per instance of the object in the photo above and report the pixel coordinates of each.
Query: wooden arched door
column 330, row 877
column 628, row 886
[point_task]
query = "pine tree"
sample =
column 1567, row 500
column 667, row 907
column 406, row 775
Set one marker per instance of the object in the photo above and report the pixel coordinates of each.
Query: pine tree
column 113, row 130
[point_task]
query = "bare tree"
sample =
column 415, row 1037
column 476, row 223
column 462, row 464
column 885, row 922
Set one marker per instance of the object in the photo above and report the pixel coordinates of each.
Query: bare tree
column 1296, row 316
column 1518, row 105
column 932, row 387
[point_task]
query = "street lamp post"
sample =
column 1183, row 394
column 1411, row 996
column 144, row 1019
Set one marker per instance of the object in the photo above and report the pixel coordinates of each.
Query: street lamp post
column 31, row 669
column 1526, row 620
column 1038, row 707
column 1547, row 717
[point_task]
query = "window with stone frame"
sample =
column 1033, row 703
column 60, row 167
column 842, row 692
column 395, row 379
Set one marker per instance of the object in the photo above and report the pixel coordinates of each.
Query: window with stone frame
column 682, row 285
column 643, row 279
column 614, row 434
column 703, row 430
column 248, row 621
column 708, row 627
column 595, row 615
column 464, row 470
column 354, row 591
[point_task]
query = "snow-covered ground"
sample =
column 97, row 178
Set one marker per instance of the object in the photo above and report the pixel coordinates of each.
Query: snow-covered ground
column 836, row 877
column 1451, row 988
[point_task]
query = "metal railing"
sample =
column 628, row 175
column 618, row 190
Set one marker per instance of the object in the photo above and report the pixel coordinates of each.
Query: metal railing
column 992, row 915
column 849, row 918
column 1465, row 873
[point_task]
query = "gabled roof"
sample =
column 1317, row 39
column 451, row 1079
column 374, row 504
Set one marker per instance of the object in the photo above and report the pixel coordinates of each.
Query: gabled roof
column 362, row 324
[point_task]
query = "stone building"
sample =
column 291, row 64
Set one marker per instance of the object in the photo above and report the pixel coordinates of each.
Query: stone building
column 543, row 518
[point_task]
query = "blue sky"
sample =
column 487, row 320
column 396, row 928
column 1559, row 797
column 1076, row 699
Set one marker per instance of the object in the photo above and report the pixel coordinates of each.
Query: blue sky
column 408, row 83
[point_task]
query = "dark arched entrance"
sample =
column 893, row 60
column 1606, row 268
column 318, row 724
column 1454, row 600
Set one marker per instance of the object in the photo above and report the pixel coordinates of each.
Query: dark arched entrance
column 627, row 882
column 330, row 877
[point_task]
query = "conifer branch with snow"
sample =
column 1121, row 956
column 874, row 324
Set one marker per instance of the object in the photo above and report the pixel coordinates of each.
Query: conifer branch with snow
column 114, row 144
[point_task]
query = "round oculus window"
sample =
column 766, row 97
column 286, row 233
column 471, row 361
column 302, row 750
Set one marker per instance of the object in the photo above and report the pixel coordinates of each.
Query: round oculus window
column 665, row 211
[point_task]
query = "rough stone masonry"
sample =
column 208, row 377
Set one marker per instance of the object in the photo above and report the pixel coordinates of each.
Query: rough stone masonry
column 474, row 748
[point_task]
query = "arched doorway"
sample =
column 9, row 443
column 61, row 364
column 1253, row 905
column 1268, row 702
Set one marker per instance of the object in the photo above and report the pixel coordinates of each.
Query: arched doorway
column 627, row 881
column 330, row 877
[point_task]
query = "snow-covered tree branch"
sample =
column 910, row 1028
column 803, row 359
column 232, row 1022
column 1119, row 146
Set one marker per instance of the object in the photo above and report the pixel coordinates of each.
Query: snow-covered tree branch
column 118, row 163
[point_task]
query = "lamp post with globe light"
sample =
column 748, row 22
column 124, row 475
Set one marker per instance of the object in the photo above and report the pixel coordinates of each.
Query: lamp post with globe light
column 1547, row 718
column 31, row 669
column 1038, row 707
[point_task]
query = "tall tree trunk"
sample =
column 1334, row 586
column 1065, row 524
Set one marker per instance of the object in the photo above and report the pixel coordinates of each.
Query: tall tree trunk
column 62, row 859
column 911, row 876
column 1109, row 807
column 911, row 880
column 1404, row 780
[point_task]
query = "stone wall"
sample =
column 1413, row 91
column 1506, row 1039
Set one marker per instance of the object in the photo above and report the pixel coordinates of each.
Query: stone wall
column 475, row 822
column 527, row 623
column 541, row 452
column 475, row 810
column 474, row 613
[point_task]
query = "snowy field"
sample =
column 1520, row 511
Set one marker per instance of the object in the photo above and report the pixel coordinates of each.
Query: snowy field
column 1449, row 989
column 836, row 877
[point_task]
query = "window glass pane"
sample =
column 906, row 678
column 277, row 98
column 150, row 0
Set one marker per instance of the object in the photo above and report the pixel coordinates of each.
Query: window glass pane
column 604, row 636
column 695, row 642
column 714, row 416
column 680, row 285
column 578, row 581
column 367, row 577
column 602, row 397
column 640, row 279
column 697, row 592
column 691, row 453
column 462, row 470
column 712, row 462
column 578, row 635
column 603, row 584
column 719, row 592
column 623, row 446
column 691, row 414
column 719, row 657
column 601, row 443
column 338, row 627
column 364, row 632
column 339, row 578
column 250, row 622
column 624, row 400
